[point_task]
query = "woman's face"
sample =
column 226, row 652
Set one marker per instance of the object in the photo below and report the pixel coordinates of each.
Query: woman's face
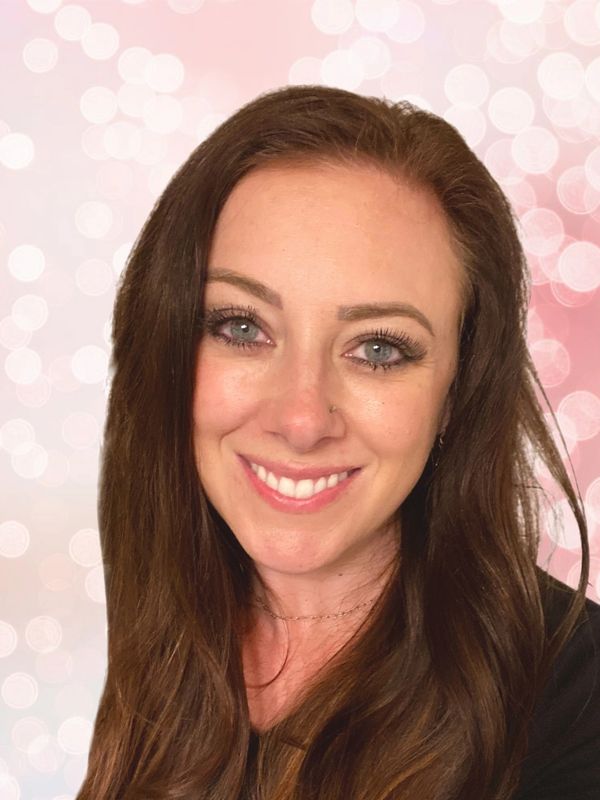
column 302, row 246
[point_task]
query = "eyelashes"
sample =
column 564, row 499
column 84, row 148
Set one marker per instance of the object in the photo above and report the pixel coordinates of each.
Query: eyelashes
column 382, row 338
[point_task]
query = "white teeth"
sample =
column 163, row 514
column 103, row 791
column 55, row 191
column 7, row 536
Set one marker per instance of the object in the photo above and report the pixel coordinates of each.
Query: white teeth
column 300, row 490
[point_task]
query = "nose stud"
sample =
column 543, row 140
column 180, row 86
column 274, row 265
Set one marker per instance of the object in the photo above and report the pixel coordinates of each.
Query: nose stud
column 331, row 409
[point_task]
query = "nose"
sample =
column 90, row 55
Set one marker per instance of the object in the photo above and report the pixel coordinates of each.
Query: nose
column 302, row 387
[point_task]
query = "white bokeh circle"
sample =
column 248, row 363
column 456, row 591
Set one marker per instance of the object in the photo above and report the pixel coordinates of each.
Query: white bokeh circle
column 26, row 262
column 71, row 22
column 40, row 55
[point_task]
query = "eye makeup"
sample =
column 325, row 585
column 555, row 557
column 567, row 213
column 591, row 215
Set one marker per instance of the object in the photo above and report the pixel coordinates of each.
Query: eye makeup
column 382, row 339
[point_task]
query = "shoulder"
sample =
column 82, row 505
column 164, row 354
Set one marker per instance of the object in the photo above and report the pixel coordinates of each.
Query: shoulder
column 564, row 748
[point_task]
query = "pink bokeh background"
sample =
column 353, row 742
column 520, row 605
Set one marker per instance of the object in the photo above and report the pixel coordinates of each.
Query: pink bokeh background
column 102, row 101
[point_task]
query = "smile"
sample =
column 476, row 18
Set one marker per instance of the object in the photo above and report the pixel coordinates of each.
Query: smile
column 307, row 494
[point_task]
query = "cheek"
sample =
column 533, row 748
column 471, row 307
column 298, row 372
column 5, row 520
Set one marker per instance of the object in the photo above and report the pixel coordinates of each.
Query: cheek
column 222, row 396
column 405, row 429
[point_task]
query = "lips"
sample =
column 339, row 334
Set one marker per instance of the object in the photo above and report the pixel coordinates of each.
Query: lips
column 293, row 505
column 299, row 472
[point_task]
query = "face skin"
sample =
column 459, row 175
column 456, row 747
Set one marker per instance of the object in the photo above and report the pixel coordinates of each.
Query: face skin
column 322, row 237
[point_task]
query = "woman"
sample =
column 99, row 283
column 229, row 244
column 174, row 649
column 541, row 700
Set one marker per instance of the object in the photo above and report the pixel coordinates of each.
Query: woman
column 318, row 509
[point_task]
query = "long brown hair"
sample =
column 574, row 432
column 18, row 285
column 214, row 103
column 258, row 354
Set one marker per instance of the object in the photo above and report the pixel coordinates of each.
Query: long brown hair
column 433, row 695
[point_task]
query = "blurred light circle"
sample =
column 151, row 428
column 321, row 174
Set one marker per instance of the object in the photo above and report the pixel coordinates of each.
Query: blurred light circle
column 511, row 109
column 377, row 15
column 568, row 297
column 343, row 69
column 579, row 412
column 551, row 360
column 100, row 41
column 164, row 72
column 153, row 148
column 122, row 140
column 561, row 75
column 31, row 464
column 19, row 690
column 84, row 547
column 163, row 114
column 522, row 12
column 469, row 122
column 522, row 195
column 543, row 231
column 592, row 499
column 71, row 22
column 9, row 787
column 580, row 22
column 98, row 104
column 40, row 55
column 14, row 539
column 92, row 142
column 25, row 730
column 94, row 585
column 26, row 262
column 575, row 193
column 499, row 161
column 511, row 43
column 30, row 312
column 579, row 266
column 90, row 364
column 16, row 150
column 94, row 277
column 132, row 97
column 93, row 219
column 57, row 470
column 8, row 635
column 566, row 113
column 80, row 429
column 466, row 86
column 132, row 64
column 185, row 6
column 561, row 526
column 410, row 25
column 332, row 17
column 74, row 735
column 592, row 78
column 35, row 394
column 43, row 634
column 591, row 121
column 44, row 6
column 17, row 436
column 304, row 70
column 11, row 336
column 535, row 150
column 119, row 258
column 44, row 754
column 591, row 168
column 23, row 365
column 373, row 54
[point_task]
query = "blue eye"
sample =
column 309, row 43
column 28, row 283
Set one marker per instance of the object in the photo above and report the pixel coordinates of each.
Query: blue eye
column 243, row 325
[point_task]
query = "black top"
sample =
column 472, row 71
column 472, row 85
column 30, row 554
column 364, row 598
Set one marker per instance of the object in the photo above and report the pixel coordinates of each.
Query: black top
column 563, row 760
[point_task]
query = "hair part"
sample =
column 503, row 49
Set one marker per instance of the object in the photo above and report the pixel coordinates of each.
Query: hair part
column 436, row 688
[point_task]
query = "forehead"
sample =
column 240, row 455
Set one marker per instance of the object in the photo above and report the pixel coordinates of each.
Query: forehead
column 339, row 232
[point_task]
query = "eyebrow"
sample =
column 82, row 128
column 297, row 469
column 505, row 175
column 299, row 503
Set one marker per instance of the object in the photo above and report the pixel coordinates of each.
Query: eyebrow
column 346, row 313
